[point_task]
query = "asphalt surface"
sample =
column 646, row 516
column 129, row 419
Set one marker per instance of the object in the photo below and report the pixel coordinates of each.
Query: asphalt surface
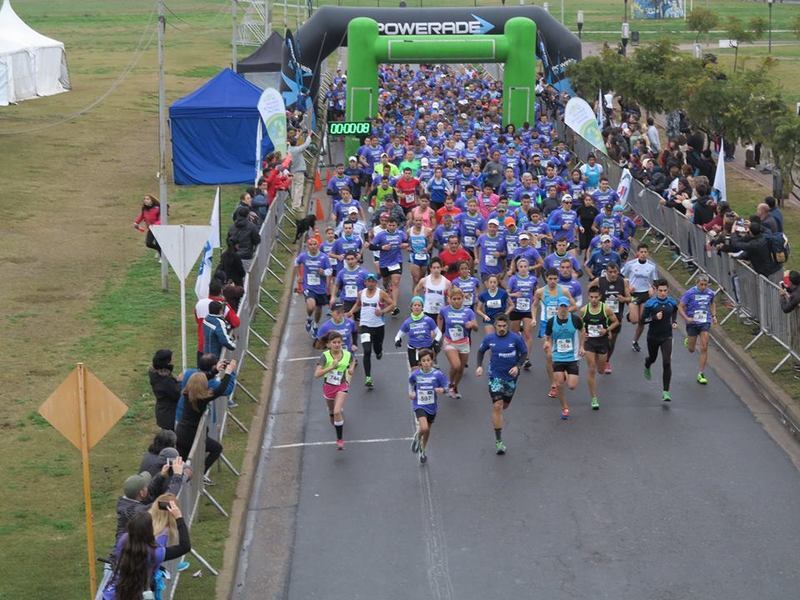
column 638, row 500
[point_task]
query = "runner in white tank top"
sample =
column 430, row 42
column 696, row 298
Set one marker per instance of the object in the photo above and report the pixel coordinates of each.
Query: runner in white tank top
column 433, row 289
column 369, row 304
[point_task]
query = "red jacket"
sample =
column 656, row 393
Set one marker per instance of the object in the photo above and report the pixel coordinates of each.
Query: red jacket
column 201, row 312
column 276, row 180
column 151, row 216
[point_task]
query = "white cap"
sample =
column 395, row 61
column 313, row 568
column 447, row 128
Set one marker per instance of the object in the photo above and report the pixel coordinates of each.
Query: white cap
column 424, row 161
column 435, row 105
column 524, row 236
column 352, row 210
column 605, row 238
column 495, row 221
column 352, row 158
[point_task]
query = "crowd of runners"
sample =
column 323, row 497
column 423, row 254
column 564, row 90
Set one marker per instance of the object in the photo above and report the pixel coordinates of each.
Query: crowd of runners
column 512, row 245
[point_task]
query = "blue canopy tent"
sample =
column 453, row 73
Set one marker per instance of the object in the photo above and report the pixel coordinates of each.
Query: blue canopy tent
column 214, row 132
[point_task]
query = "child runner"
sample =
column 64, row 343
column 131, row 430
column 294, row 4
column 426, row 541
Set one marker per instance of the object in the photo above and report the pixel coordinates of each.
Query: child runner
column 423, row 385
column 336, row 365
column 421, row 330
column 493, row 301
column 457, row 321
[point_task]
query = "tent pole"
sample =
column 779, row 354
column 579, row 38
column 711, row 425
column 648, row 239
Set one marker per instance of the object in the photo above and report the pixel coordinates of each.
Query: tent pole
column 162, row 137
column 234, row 58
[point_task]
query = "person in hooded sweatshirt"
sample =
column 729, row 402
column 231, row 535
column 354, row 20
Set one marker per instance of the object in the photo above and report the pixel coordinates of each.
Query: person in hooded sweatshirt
column 166, row 388
column 244, row 234
column 215, row 331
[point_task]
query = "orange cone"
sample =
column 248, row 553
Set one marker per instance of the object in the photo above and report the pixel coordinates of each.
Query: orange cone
column 319, row 212
column 317, row 233
column 317, row 182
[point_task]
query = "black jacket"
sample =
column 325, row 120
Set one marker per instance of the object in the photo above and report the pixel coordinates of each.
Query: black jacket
column 700, row 163
column 244, row 234
column 167, row 391
column 756, row 250
column 127, row 508
column 703, row 211
column 231, row 263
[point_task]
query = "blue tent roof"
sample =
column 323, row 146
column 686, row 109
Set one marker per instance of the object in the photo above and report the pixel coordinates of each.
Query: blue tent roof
column 214, row 132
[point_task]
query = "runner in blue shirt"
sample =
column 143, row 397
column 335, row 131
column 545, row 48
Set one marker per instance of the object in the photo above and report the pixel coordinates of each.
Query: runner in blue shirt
column 438, row 188
column 349, row 281
column 509, row 353
column 490, row 251
column 563, row 343
column 457, row 322
column 591, row 172
column 601, row 258
column 564, row 221
column 346, row 327
column 492, row 302
column 471, row 224
column 421, row 330
column 467, row 283
column 521, row 288
column 424, row 384
column 390, row 244
column 552, row 261
column 699, row 311
column 576, row 186
column 313, row 282
column 526, row 251
column 660, row 313
column 348, row 242
column 605, row 194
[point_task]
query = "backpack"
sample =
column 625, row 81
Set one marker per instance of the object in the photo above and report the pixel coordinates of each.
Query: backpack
column 778, row 245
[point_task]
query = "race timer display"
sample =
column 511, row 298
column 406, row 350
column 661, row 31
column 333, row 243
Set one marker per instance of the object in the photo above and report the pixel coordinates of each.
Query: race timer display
column 355, row 128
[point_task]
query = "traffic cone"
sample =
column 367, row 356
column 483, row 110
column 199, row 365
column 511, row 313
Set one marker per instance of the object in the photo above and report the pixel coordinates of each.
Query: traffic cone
column 319, row 212
column 317, row 233
column 317, row 182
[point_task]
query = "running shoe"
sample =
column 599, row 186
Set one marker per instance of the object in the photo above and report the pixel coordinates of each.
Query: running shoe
column 565, row 414
column 423, row 458
column 340, row 444
column 500, row 447
column 368, row 382
column 451, row 391
column 701, row 379
column 595, row 403
column 182, row 566
column 608, row 370
column 415, row 443
column 553, row 393
column 686, row 342
column 308, row 325
column 396, row 311
column 379, row 355
column 665, row 396
column 647, row 373
column 636, row 347
column 527, row 365
column 313, row 331
column 458, row 394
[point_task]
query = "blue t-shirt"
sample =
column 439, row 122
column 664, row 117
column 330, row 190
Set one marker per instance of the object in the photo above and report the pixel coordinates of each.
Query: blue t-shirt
column 526, row 286
column 424, row 387
column 553, row 260
column 602, row 198
column 491, row 264
column 350, row 283
column 508, row 351
column 560, row 217
column 599, row 260
column 316, row 270
column 469, row 286
column 469, row 226
column 347, row 328
column 394, row 255
column 419, row 331
column 698, row 304
column 454, row 322
column 495, row 304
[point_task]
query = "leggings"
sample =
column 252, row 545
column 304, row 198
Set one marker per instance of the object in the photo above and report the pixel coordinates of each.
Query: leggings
column 375, row 343
column 665, row 345
column 150, row 241
column 186, row 439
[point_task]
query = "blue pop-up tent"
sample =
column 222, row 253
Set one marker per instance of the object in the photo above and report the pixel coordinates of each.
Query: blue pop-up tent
column 214, row 132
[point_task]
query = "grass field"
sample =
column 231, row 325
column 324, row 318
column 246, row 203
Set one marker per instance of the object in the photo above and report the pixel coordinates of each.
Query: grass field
column 78, row 284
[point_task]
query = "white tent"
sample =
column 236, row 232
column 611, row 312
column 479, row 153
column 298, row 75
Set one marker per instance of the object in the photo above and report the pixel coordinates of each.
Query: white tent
column 31, row 64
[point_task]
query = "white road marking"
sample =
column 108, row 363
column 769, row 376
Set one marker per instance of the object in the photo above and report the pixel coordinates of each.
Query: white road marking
column 331, row 443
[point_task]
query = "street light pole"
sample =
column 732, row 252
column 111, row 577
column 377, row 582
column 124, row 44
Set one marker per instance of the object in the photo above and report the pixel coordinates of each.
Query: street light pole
column 626, row 34
column 580, row 24
column 770, row 2
column 162, row 136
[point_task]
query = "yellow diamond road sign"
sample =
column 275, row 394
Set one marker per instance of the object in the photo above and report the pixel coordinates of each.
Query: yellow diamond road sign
column 103, row 409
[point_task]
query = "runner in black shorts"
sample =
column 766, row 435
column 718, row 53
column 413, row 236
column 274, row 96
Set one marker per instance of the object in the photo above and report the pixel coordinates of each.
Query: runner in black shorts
column 615, row 294
column 599, row 322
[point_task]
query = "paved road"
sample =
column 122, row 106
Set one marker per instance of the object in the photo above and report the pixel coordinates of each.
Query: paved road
column 638, row 500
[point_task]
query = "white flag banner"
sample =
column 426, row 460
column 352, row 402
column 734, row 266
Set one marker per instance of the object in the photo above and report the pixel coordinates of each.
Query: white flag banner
column 273, row 112
column 207, row 258
column 258, row 153
column 718, row 191
column 624, row 187
column 600, row 112
column 579, row 116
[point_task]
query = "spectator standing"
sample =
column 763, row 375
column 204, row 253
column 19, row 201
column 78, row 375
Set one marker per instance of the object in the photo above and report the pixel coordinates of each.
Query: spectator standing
column 152, row 462
column 149, row 215
column 769, row 224
column 215, row 330
column 298, row 169
column 790, row 292
column 775, row 212
column 755, row 248
column 139, row 492
column 231, row 263
column 201, row 311
column 652, row 136
column 166, row 388
column 244, row 234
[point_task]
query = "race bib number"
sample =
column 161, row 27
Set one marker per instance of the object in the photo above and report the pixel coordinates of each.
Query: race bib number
column 594, row 330
column 424, row 397
column 700, row 315
column 334, row 377
column 490, row 260
column 468, row 300
column 410, row 198
column 366, row 338
column 550, row 312
column 511, row 246
column 613, row 304
column 455, row 332
column 563, row 345
column 523, row 303
column 312, row 278
column 393, row 268
column 469, row 241
column 496, row 303
column 350, row 291
column 420, row 256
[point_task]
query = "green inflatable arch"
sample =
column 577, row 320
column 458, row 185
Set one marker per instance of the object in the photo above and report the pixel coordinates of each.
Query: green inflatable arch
column 366, row 49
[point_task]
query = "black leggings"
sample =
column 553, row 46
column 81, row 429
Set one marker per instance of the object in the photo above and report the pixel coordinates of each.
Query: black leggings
column 150, row 241
column 375, row 343
column 186, row 439
column 665, row 345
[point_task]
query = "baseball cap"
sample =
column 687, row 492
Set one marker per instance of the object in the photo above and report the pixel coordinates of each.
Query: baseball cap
column 338, row 305
column 384, row 154
column 495, row 221
column 352, row 158
column 524, row 236
column 509, row 221
column 170, row 453
column 563, row 301
column 352, row 210
column 605, row 238
column 371, row 276
column 135, row 483
column 619, row 208
column 566, row 198
column 423, row 161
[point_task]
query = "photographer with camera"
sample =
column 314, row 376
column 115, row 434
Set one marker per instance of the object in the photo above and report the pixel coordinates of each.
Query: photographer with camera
column 753, row 247
column 790, row 292
column 297, row 167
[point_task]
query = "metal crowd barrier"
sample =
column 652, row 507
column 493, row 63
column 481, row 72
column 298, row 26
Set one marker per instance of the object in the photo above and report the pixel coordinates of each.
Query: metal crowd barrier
column 754, row 297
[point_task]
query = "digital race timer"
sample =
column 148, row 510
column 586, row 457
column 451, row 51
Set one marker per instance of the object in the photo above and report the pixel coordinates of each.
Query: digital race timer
column 357, row 128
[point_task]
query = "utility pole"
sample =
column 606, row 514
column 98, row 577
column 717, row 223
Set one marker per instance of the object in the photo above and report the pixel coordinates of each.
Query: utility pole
column 234, row 56
column 162, row 137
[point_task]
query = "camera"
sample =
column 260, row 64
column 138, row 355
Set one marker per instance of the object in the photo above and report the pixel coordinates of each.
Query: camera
column 163, row 505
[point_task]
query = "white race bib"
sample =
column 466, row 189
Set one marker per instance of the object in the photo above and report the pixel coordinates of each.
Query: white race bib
column 334, row 377
column 366, row 338
column 594, row 330
column 312, row 278
column 410, row 198
column 490, row 260
column 700, row 316
column 511, row 246
column 563, row 345
column 393, row 268
column 350, row 291
column 424, row 397
column 523, row 304
column 550, row 311
column 468, row 300
column 456, row 332
column 613, row 304
column 469, row 241
column 420, row 256
column 496, row 303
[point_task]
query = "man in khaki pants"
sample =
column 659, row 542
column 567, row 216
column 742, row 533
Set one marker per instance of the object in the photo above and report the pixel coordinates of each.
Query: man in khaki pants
column 298, row 168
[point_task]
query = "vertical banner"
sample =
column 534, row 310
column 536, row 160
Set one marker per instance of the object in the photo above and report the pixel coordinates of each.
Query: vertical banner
column 273, row 113
column 581, row 118
column 600, row 111
column 718, row 191
column 624, row 187
column 258, row 153
column 206, row 260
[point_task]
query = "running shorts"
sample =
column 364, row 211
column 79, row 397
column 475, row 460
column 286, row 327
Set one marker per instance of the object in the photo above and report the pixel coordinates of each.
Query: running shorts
column 695, row 329
column 501, row 388
column 421, row 412
column 598, row 345
column 570, row 368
